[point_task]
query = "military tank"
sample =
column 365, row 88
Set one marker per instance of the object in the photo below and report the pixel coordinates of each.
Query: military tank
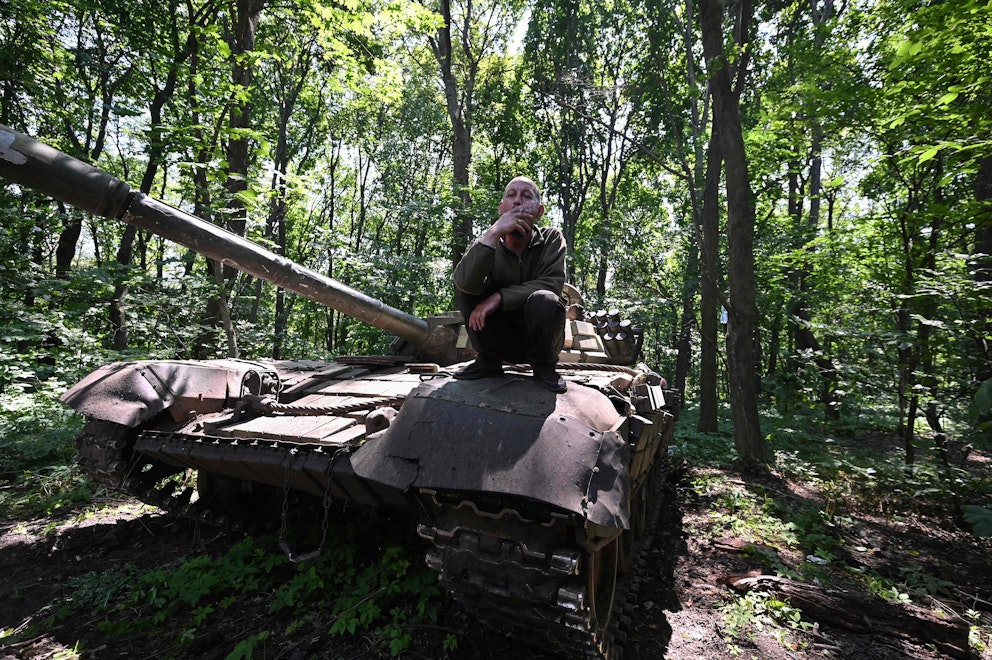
column 535, row 507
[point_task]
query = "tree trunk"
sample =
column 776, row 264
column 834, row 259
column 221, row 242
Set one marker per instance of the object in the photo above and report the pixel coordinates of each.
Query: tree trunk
column 807, row 341
column 709, row 305
column 805, row 338
column 687, row 319
column 331, row 315
column 118, row 316
column 459, row 105
column 742, row 322
column 276, row 223
column 72, row 227
column 244, row 22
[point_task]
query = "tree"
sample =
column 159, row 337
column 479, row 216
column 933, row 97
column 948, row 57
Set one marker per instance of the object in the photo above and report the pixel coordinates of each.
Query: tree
column 742, row 323
column 558, row 50
column 160, row 75
column 936, row 69
column 286, row 76
column 469, row 33
column 681, row 105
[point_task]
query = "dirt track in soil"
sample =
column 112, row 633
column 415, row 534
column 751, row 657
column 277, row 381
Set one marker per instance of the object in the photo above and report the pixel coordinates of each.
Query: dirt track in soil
column 675, row 615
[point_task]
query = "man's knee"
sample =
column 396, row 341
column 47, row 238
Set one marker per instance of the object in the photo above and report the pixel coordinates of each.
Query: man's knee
column 544, row 304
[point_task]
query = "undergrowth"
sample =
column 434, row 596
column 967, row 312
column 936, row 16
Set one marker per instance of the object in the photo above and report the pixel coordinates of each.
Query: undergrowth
column 806, row 519
column 37, row 475
column 347, row 591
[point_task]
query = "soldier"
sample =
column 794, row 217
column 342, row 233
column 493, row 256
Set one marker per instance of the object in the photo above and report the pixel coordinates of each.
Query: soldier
column 508, row 287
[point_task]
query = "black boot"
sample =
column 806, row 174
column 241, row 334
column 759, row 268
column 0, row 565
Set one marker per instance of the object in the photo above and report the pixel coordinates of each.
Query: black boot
column 481, row 368
column 548, row 378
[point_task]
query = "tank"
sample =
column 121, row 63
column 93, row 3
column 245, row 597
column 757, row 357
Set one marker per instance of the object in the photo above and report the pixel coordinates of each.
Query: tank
column 534, row 508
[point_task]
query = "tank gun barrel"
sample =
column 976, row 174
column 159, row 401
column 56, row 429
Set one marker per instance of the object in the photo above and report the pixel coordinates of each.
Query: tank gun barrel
column 34, row 165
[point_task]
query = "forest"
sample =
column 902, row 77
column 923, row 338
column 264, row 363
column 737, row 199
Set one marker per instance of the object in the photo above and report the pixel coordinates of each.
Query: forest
column 792, row 199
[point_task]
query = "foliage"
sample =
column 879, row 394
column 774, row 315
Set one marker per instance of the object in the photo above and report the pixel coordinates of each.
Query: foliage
column 369, row 591
column 246, row 647
column 36, row 452
column 382, row 595
column 981, row 406
column 43, row 492
column 759, row 609
column 703, row 448
column 980, row 517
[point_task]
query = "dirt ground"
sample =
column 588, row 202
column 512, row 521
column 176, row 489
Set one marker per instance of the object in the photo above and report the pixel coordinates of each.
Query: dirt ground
column 676, row 612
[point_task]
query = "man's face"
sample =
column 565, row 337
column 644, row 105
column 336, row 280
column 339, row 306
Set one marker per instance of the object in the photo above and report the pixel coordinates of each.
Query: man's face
column 521, row 193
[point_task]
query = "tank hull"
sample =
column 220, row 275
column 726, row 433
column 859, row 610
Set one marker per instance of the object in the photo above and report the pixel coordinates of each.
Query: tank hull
column 528, row 501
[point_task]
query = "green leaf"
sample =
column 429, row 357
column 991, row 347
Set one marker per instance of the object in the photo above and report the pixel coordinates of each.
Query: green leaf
column 928, row 154
column 947, row 98
column 982, row 403
column 246, row 647
column 981, row 519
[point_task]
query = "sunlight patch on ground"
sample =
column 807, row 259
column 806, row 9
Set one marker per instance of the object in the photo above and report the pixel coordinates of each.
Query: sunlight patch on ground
column 32, row 531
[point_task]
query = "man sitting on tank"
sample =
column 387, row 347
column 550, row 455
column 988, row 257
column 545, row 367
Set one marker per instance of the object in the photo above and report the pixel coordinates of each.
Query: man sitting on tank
column 508, row 287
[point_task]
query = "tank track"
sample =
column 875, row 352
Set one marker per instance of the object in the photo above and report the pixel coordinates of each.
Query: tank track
column 539, row 592
column 105, row 451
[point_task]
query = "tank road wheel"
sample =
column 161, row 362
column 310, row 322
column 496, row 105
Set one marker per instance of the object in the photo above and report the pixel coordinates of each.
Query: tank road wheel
column 229, row 499
column 104, row 451
column 601, row 584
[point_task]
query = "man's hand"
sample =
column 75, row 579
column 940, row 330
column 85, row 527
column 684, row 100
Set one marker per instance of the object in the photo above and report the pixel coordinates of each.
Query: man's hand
column 477, row 319
column 519, row 221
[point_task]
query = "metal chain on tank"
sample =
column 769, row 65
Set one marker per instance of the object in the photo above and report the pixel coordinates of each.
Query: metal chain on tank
column 596, row 366
column 327, row 510
column 285, row 510
column 326, row 503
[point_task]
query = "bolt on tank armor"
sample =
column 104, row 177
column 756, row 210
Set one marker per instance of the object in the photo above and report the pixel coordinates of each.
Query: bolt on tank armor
column 537, row 507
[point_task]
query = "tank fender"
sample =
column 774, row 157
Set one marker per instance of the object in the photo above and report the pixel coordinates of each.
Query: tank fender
column 131, row 393
column 506, row 436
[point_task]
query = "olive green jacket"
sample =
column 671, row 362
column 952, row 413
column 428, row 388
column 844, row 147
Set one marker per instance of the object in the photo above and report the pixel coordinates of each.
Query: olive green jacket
column 483, row 270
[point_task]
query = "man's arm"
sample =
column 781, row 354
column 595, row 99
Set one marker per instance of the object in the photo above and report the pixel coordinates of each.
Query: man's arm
column 473, row 271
